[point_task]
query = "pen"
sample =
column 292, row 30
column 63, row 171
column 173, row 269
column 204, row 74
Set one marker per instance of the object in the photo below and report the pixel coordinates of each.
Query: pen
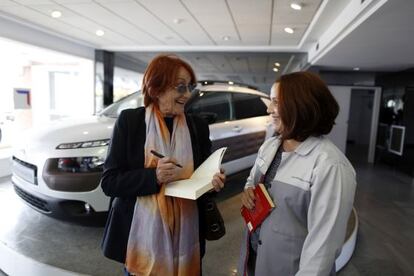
column 159, row 155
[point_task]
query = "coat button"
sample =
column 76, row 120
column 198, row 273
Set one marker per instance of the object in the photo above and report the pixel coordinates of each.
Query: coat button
column 260, row 242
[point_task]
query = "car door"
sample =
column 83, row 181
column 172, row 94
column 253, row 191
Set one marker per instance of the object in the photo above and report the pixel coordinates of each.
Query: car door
column 216, row 108
column 251, row 123
column 241, row 137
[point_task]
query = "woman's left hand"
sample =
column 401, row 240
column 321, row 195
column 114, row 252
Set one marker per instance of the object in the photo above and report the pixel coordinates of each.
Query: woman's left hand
column 218, row 180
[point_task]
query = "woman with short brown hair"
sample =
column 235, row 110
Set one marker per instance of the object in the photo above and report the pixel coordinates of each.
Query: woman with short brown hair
column 309, row 179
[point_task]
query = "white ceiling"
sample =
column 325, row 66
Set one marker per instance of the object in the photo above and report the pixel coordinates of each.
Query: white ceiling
column 384, row 42
column 129, row 23
column 246, row 67
column 333, row 34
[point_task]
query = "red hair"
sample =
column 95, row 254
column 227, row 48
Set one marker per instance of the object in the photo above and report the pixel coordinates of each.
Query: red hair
column 161, row 74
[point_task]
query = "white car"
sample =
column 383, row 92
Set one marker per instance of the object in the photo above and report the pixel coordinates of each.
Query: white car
column 57, row 170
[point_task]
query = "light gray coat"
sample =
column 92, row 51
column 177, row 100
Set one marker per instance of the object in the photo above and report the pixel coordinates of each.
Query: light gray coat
column 313, row 191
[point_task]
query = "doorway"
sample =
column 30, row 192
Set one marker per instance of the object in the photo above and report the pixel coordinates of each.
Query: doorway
column 359, row 125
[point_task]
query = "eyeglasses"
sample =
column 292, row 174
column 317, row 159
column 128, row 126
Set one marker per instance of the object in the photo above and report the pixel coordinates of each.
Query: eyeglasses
column 182, row 88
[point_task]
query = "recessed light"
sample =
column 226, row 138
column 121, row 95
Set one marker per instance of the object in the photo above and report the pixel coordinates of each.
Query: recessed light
column 226, row 38
column 178, row 20
column 289, row 30
column 99, row 32
column 275, row 69
column 277, row 64
column 356, row 68
column 56, row 14
column 230, row 82
column 296, row 6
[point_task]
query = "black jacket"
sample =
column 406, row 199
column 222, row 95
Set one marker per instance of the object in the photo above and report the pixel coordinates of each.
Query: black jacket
column 124, row 177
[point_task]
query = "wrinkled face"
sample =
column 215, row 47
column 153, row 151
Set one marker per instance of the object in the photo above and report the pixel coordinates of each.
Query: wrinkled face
column 273, row 108
column 172, row 102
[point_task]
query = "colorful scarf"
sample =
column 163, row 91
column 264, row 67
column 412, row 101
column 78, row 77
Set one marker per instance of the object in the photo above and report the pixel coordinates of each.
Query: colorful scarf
column 164, row 238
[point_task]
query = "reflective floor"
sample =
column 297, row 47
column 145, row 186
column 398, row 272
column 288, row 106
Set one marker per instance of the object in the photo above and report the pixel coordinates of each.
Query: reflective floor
column 385, row 245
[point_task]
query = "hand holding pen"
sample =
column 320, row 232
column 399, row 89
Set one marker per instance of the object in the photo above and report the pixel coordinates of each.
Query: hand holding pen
column 159, row 155
column 167, row 168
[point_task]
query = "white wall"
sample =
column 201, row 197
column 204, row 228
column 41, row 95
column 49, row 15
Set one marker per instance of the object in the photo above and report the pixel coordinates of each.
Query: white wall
column 73, row 91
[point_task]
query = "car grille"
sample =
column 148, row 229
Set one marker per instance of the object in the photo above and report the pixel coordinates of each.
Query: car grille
column 25, row 170
column 34, row 201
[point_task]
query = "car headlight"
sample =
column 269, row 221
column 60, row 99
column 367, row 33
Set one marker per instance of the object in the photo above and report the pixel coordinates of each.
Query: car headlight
column 87, row 144
column 81, row 164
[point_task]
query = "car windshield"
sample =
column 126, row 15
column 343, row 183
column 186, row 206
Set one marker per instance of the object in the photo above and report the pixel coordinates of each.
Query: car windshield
column 133, row 100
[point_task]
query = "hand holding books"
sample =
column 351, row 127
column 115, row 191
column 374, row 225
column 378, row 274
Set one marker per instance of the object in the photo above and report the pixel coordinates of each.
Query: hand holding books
column 257, row 204
column 218, row 180
column 248, row 198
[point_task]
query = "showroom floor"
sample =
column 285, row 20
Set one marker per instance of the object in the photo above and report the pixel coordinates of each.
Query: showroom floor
column 384, row 202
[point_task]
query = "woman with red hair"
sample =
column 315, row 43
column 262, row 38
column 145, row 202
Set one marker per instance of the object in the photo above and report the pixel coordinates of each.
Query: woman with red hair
column 153, row 234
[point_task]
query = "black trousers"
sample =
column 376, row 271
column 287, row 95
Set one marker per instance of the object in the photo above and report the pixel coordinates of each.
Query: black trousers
column 251, row 262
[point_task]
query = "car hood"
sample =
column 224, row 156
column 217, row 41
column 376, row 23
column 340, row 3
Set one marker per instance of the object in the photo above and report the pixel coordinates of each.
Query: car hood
column 68, row 130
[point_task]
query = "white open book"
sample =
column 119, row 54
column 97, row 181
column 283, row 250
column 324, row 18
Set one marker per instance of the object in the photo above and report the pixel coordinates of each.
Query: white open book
column 200, row 180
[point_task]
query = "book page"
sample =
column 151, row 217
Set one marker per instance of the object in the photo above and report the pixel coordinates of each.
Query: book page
column 200, row 181
column 210, row 166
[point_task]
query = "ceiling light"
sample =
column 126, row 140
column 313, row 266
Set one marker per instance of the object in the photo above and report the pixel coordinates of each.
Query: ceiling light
column 230, row 82
column 296, row 6
column 56, row 14
column 289, row 30
column 356, row 68
column 226, row 38
column 178, row 20
column 275, row 69
column 277, row 64
column 99, row 33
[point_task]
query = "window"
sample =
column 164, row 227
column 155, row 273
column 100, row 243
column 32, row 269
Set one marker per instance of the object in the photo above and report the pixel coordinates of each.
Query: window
column 397, row 139
column 248, row 105
column 126, row 82
column 213, row 107
column 131, row 101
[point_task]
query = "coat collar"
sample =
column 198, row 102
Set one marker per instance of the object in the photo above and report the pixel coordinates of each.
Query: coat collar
column 308, row 145
column 269, row 155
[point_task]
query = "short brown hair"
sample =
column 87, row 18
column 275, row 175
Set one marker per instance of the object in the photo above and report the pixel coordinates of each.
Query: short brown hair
column 160, row 74
column 306, row 106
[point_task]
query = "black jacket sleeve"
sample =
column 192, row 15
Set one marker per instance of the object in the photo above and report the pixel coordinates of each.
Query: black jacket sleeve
column 124, row 174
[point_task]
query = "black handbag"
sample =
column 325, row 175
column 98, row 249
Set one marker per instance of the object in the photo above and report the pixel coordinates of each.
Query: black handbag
column 212, row 221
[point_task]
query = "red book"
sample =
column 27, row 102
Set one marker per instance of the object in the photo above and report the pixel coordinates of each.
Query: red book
column 263, row 206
